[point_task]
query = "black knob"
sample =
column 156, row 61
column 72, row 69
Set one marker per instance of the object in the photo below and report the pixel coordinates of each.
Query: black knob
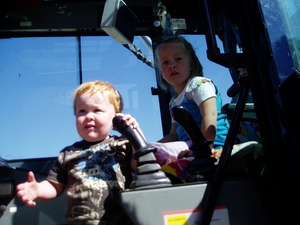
column 133, row 135
column 187, row 121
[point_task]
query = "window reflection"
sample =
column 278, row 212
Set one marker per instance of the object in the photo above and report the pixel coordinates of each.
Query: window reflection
column 291, row 11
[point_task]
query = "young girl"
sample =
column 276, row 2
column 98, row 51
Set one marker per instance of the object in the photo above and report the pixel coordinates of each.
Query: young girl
column 181, row 71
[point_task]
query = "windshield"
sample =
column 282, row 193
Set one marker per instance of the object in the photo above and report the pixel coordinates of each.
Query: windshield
column 291, row 15
column 38, row 76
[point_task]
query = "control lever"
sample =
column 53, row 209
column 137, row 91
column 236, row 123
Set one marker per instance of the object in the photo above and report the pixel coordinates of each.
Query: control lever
column 148, row 172
column 202, row 167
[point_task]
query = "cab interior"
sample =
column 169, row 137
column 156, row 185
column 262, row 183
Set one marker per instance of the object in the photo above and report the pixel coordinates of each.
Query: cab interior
column 252, row 184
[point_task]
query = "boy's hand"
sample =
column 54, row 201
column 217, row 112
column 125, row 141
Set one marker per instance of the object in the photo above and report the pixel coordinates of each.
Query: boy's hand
column 129, row 120
column 28, row 191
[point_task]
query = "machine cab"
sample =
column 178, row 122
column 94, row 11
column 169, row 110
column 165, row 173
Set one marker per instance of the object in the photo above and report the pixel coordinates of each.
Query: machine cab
column 249, row 48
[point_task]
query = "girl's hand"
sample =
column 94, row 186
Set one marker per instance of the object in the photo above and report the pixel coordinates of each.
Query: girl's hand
column 185, row 154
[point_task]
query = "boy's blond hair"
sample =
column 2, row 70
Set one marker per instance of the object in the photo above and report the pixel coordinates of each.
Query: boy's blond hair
column 101, row 87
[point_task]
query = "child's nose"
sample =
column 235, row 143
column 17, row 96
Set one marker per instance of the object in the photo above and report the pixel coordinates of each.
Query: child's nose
column 89, row 116
column 172, row 64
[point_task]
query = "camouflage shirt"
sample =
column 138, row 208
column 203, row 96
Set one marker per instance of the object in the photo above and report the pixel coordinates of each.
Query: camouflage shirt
column 94, row 173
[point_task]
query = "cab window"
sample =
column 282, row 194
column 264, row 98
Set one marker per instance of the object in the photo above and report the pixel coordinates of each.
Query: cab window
column 39, row 74
column 37, row 79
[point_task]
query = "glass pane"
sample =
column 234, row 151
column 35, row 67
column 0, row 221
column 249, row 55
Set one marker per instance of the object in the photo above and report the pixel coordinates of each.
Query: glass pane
column 37, row 78
column 219, row 74
column 291, row 14
column 104, row 59
column 39, row 75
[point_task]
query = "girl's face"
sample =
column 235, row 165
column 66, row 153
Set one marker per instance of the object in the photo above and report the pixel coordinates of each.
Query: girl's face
column 94, row 116
column 175, row 65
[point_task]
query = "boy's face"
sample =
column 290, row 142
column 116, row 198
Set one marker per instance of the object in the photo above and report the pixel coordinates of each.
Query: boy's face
column 94, row 116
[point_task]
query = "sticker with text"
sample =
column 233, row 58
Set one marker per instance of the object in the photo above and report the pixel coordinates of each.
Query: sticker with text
column 192, row 217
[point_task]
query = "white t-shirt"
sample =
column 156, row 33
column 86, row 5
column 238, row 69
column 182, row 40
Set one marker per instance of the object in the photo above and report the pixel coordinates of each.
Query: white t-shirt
column 198, row 89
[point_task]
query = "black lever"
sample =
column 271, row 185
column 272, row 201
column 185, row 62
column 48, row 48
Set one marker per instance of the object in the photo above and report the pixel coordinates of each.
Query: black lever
column 148, row 172
column 187, row 121
column 133, row 136
column 202, row 167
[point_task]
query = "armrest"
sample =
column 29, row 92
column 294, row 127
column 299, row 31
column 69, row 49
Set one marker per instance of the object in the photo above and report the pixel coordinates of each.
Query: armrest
column 248, row 115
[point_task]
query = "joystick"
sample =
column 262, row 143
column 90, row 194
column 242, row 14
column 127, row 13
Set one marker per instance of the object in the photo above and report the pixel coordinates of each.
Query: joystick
column 202, row 167
column 148, row 172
